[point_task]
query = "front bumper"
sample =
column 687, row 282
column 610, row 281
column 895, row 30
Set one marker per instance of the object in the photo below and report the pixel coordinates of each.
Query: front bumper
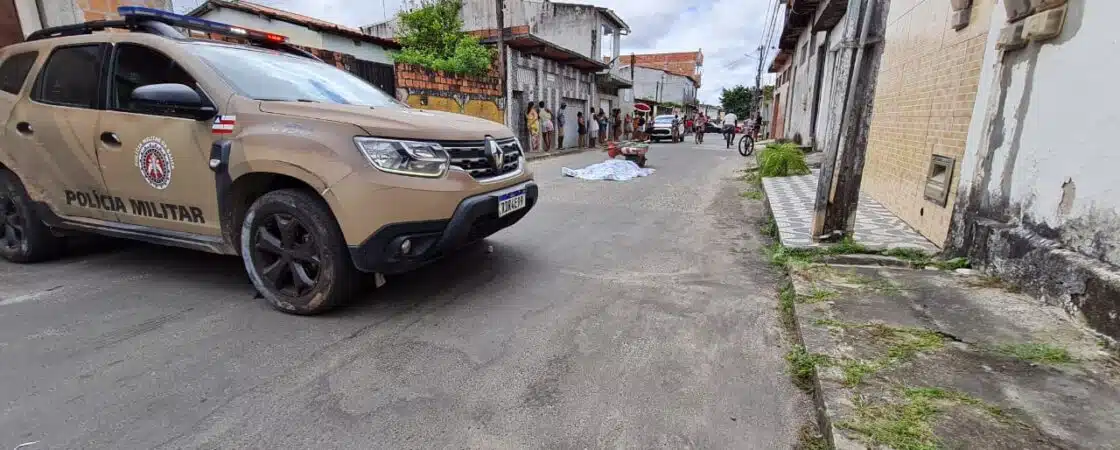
column 475, row 218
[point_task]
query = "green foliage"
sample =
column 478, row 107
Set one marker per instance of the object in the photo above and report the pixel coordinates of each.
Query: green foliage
column 752, row 195
column 1038, row 353
column 817, row 295
column 738, row 100
column 432, row 37
column 786, row 299
column 782, row 160
column 802, row 366
column 768, row 92
column 908, row 424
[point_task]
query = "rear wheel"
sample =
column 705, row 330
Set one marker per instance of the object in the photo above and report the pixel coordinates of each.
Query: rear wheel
column 24, row 238
column 295, row 254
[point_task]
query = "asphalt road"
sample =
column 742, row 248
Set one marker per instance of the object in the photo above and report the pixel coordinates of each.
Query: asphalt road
column 622, row 315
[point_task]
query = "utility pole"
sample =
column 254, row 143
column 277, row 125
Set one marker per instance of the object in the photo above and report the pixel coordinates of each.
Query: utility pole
column 500, row 12
column 834, row 216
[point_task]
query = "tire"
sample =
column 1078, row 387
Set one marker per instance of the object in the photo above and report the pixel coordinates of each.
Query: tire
column 294, row 253
column 24, row 238
column 746, row 145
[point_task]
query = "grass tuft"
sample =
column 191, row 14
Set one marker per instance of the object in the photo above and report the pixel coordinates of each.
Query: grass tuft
column 786, row 299
column 817, row 295
column 902, row 344
column 811, row 439
column 1037, row 353
column 908, row 424
column 753, row 195
column 782, row 160
column 802, row 366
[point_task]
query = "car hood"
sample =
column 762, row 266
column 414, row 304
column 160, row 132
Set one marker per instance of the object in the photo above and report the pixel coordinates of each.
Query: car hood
column 396, row 122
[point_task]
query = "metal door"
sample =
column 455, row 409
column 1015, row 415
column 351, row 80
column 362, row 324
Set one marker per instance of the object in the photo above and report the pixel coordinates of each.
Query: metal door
column 571, row 126
column 381, row 75
column 517, row 108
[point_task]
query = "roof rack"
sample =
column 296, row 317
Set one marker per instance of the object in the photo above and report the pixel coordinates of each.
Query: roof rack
column 163, row 23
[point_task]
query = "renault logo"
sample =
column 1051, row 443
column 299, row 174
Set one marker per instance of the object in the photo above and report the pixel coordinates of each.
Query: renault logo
column 494, row 153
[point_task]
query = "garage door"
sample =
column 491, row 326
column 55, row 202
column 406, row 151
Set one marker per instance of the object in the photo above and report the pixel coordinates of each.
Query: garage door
column 571, row 123
column 10, row 31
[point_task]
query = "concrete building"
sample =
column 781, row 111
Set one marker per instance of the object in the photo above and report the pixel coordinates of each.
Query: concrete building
column 18, row 18
column 687, row 64
column 809, row 97
column 1038, row 201
column 659, row 86
column 559, row 53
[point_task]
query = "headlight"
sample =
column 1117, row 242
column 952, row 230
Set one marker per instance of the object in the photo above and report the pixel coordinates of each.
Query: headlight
column 419, row 159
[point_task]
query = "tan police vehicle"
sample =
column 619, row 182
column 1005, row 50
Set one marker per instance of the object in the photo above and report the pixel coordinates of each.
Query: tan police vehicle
column 307, row 172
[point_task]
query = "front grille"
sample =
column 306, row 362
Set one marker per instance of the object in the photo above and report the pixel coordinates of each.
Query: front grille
column 471, row 157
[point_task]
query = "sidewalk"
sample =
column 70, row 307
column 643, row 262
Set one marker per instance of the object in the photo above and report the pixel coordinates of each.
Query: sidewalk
column 915, row 359
column 533, row 156
column 791, row 201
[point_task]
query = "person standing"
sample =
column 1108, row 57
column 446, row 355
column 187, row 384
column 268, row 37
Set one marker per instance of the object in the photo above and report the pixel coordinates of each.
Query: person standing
column 628, row 127
column 547, row 127
column 533, row 120
column 593, row 130
column 560, row 119
column 604, row 122
column 581, row 128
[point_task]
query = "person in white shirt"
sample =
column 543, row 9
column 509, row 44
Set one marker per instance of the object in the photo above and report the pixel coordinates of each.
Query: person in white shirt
column 729, row 120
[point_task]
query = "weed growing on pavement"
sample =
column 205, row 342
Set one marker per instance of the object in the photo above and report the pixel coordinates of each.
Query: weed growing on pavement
column 802, row 365
column 770, row 228
column 752, row 195
column 846, row 246
column 908, row 424
column 783, row 256
column 751, row 176
column 902, row 344
column 1037, row 353
column 810, row 439
column 871, row 284
column 786, row 299
column 817, row 295
column 782, row 160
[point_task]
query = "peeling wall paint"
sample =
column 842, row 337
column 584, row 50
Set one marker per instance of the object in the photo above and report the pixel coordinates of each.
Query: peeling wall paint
column 1049, row 123
column 1038, row 199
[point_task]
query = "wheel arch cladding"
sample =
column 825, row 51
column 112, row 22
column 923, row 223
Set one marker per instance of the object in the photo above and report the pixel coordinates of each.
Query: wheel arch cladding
column 247, row 188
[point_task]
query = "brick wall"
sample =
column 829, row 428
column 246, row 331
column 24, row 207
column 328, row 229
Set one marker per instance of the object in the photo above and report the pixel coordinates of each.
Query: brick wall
column 481, row 96
column 107, row 9
column 683, row 63
column 923, row 106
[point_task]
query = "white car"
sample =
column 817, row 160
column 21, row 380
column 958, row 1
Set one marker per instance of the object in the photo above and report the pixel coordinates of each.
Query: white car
column 663, row 128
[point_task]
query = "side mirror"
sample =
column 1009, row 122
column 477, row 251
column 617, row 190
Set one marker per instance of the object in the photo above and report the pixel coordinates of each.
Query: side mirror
column 173, row 99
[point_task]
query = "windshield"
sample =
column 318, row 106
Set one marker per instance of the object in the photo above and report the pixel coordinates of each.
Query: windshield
column 268, row 75
column 663, row 120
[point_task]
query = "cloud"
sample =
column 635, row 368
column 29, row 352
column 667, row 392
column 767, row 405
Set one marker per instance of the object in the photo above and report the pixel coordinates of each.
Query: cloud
column 726, row 30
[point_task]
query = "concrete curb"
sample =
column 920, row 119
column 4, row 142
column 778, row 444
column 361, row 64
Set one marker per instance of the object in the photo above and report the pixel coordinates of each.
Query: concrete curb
column 537, row 156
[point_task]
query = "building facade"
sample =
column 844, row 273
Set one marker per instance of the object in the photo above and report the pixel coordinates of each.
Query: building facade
column 19, row 18
column 558, row 53
column 1039, row 201
column 662, row 87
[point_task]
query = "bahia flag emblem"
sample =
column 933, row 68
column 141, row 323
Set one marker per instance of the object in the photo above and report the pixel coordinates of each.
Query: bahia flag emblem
column 224, row 124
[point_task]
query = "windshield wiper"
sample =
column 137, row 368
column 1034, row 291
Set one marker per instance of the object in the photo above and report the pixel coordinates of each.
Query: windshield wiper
column 301, row 100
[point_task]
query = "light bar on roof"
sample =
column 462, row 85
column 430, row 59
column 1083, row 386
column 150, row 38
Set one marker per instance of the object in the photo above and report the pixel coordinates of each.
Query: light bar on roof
column 196, row 24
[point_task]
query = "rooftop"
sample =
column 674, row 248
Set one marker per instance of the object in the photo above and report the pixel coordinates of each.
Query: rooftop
column 293, row 18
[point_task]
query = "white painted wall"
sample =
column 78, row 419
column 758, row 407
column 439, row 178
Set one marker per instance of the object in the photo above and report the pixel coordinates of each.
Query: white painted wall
column 301, row 35
column 1057, row 125
column 674, row 88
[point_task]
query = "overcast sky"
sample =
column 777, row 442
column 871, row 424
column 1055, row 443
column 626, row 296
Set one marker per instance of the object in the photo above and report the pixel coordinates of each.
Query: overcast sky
column 726, row 30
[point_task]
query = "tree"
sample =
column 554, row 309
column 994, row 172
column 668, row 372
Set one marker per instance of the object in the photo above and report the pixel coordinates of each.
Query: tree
column 432, row 36
column 768, row 92
column 738, row 100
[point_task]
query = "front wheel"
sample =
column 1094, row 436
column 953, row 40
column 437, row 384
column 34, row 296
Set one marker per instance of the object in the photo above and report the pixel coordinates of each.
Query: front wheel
column 746, row 145
column 295, row 254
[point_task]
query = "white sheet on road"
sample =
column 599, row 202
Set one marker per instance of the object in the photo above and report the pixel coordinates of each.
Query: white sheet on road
column 611, row 169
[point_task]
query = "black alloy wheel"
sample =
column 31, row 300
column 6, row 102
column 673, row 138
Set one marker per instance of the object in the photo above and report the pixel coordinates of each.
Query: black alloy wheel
column 288, row 255
column 11, row 223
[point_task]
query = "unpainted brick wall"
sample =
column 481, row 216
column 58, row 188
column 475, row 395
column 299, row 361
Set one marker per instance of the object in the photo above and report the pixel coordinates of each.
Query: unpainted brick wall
column 479, row 96
column 683, row 63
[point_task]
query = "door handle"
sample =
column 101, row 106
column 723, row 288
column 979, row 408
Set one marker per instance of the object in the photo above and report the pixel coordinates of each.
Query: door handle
column 24, row 128
column 111, row 139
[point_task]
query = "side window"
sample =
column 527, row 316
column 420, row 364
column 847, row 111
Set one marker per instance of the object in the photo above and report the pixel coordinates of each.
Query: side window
column 14, row 71
column 137, row 66
column 70, row 77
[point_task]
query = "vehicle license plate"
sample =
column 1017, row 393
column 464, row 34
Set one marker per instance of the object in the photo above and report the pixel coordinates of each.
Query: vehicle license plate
column 511, row 202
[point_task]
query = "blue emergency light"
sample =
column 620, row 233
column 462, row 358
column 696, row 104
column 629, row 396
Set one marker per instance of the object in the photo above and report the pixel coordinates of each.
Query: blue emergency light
column 196, row 24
